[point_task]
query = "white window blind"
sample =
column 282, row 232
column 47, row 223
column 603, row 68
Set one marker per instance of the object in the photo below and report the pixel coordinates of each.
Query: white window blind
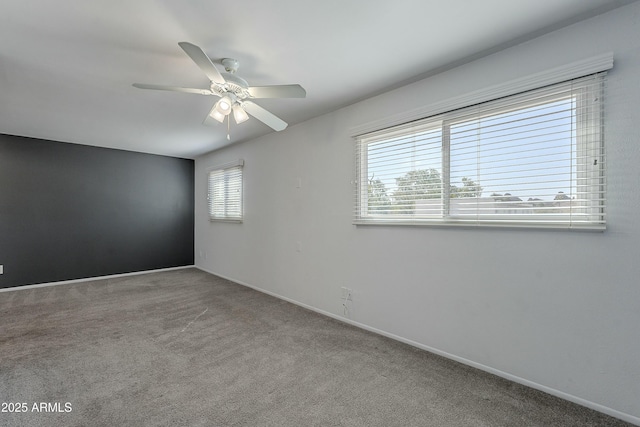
column 225, row 192
column 533, row 159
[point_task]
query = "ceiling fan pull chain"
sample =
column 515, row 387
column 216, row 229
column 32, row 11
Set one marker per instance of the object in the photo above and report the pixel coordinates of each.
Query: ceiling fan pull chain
column 228, row 128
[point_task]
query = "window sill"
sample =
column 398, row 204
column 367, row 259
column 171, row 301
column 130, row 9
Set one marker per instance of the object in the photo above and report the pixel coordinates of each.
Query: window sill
column 475, row 224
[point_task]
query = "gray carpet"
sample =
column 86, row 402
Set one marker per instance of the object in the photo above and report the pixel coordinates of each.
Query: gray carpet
column 185, row 348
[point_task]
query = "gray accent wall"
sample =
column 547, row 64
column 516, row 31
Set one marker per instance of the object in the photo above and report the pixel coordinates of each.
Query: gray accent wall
column 70, row 211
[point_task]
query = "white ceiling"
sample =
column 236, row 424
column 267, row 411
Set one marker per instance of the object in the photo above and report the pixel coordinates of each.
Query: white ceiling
column 66, row 66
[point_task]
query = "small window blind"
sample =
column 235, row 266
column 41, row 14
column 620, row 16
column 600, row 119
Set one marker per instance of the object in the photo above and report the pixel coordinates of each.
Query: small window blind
column 533, row 159
column 225, row 192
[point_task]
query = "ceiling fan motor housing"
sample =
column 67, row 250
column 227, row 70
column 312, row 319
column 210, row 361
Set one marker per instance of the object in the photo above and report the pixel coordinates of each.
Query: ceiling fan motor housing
column 233, row 84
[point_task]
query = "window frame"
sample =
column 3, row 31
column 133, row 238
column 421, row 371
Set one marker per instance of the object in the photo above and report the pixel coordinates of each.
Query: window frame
column 362, row 153
column 515, row 102
column 231, row 174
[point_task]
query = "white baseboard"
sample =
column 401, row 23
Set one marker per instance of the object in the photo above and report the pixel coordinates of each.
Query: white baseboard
column 90, row 279
column 571, row 398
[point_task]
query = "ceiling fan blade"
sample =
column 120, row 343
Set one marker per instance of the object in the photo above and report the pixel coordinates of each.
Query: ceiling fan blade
column 174, row 89
column 202, row 60
column 278, row 91
column 264, row 116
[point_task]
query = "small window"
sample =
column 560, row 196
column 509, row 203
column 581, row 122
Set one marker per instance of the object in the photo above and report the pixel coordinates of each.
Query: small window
column 532, row 159
column 225, row 192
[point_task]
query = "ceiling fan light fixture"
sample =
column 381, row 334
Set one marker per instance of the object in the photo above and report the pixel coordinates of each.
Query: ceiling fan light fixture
column 215, row 114
column 223, row 106
column 239, row 114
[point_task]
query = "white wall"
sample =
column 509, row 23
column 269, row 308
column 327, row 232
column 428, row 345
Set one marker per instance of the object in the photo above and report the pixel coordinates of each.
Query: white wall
column 558, row 310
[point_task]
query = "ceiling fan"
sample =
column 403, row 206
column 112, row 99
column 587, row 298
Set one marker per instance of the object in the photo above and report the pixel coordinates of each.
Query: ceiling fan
column 235, row 93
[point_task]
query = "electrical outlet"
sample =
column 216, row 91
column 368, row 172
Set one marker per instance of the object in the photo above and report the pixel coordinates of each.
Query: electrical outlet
column 347, row 294
column 1, row 269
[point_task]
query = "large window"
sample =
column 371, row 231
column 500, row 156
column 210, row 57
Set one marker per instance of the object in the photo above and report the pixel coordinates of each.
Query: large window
column 225, row 192
column 532, row 159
